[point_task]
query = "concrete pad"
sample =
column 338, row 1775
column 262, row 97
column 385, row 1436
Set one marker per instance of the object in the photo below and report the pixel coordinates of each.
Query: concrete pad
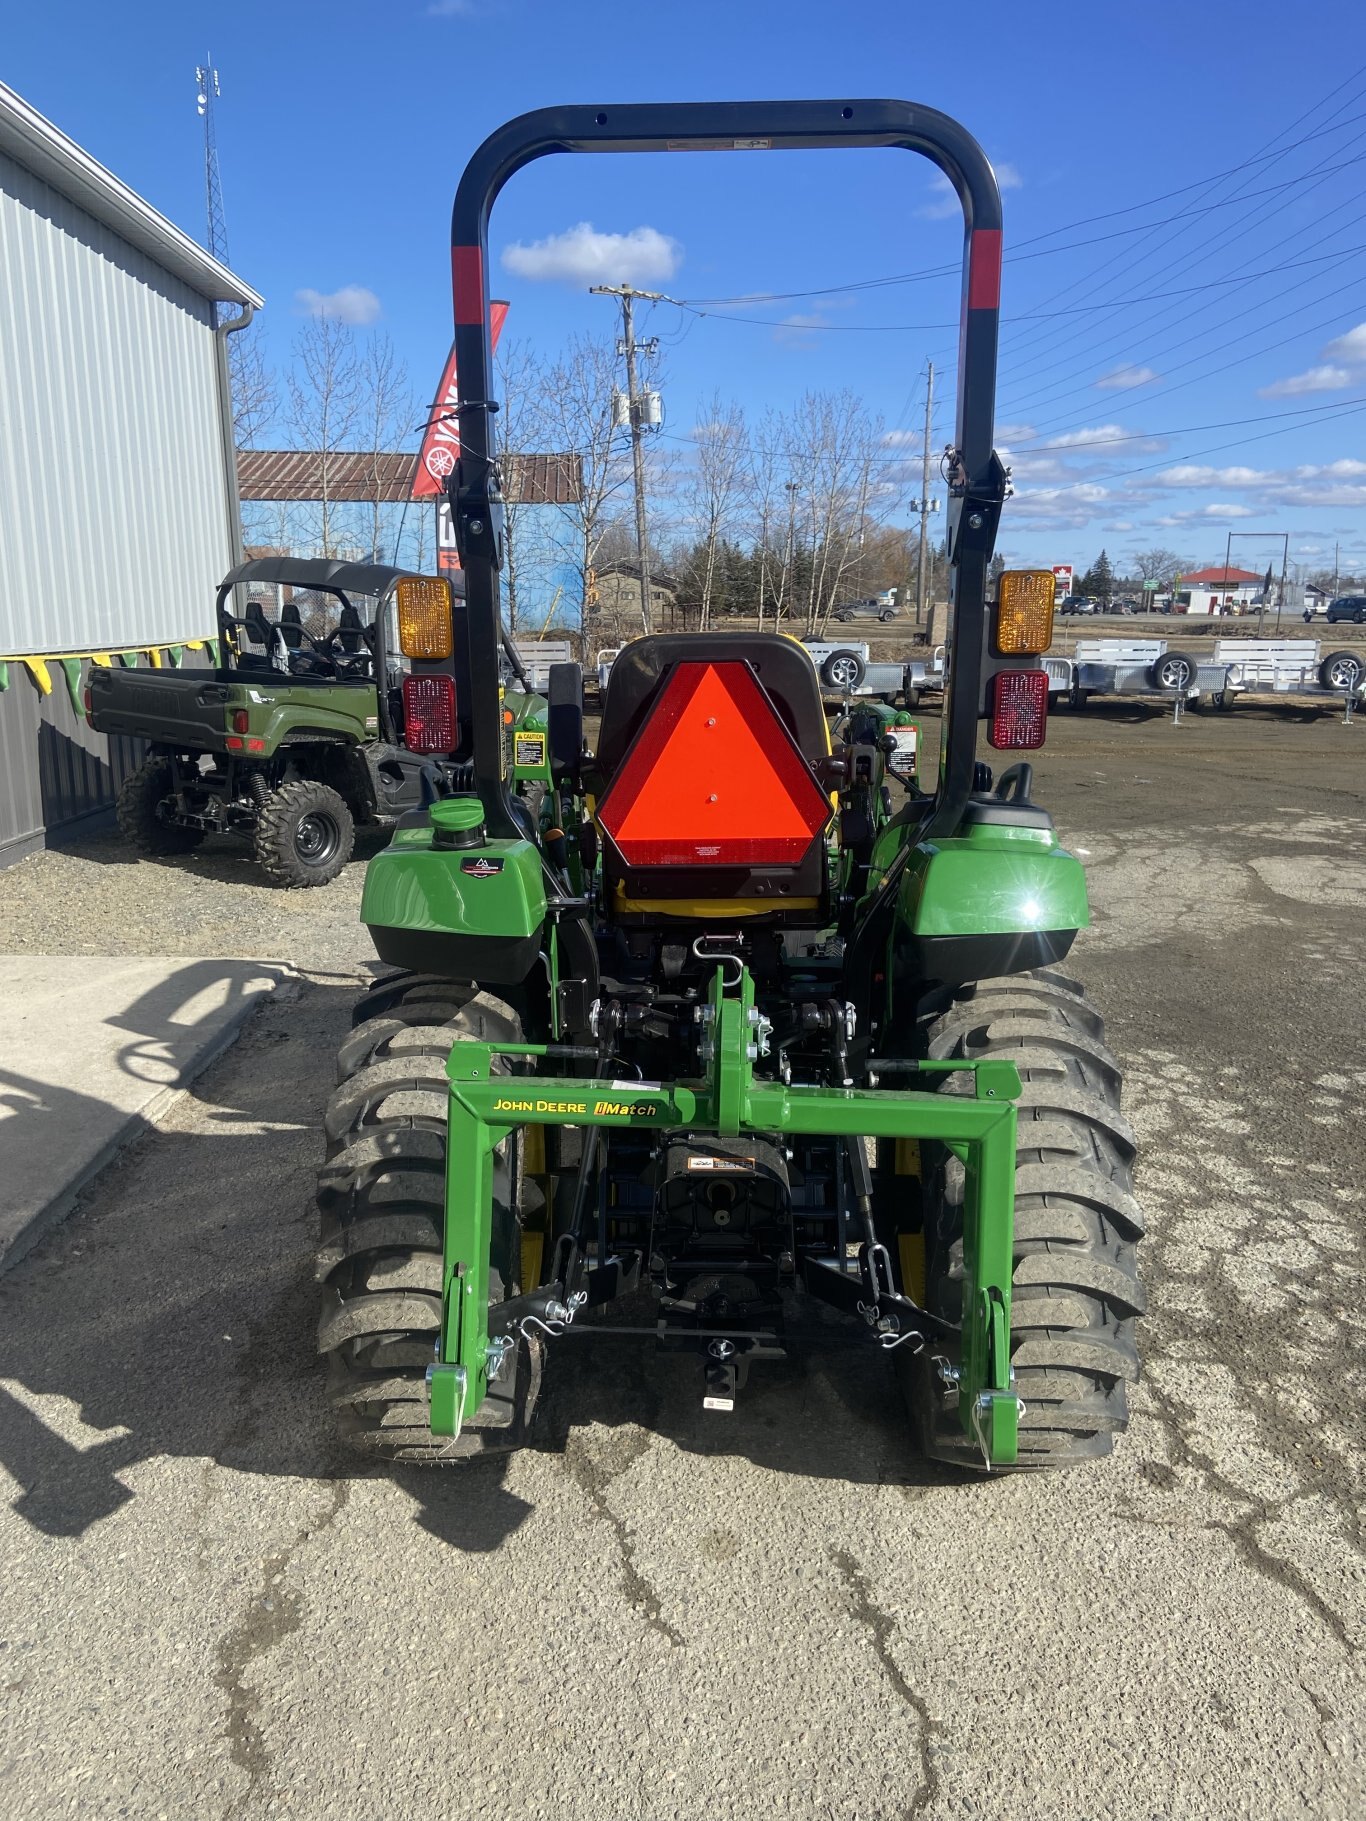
column 92, row 1050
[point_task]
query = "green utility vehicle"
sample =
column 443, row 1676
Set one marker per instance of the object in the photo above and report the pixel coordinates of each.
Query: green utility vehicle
column 294, row 738
column 728, row 1008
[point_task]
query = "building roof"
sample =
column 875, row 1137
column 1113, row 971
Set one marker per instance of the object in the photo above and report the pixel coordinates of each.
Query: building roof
column 1219, row 578
column 297, row 474
column 40, row 147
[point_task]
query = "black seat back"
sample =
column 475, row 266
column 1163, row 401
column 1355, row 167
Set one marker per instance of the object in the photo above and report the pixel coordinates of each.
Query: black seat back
column 782, row 666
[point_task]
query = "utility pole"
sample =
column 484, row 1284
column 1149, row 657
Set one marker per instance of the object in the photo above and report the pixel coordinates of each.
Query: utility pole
column 925, row 495
column 635, row 407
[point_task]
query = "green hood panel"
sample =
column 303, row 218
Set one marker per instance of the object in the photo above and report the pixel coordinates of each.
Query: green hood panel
column 993, row 881
column 494, row 891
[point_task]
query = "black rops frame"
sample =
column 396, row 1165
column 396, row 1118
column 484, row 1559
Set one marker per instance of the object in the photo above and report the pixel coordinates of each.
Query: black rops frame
column 977, row 487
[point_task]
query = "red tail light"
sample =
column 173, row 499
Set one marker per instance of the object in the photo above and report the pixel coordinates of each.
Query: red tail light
column 241, row 720
column 713, row 778
column 1019, row 710
column 429, row 714
column 88, row 700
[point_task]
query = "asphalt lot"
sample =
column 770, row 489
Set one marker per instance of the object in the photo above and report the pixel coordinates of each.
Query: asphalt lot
column 662, row 1613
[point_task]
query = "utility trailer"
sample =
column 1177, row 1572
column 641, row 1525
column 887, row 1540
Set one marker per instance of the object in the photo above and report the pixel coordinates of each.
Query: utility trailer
column 1292, row 667
column 1145, row 668
column 537, row 656
column 845, row 668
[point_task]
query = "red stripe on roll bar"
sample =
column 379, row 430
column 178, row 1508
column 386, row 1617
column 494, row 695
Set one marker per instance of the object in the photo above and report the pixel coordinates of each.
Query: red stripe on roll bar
column 984, row 270
column 467, row 284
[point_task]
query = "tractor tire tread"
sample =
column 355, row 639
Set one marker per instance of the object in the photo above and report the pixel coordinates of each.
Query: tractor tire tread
column 1076, row 1291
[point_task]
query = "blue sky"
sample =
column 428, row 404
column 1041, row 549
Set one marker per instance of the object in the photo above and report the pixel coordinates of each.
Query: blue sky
column 343, row 129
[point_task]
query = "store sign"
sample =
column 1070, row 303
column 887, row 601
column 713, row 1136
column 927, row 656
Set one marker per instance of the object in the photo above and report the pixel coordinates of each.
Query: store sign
column 1062, row 578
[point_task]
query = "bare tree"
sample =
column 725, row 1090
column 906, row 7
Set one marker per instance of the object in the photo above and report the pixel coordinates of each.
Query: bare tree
column 520, row 428
column 714, row 489
column 832, row 444
column 385, row 414
column 255, row 390
column 324, row 412
column 1158, row 565
column 578, row 419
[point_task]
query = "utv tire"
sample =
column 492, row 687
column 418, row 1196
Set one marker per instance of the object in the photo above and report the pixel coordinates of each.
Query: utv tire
column 1343, row 671
column 381, row 1194
column 139, row 796
column 304, row 834
column 843, row 670
column 1076, row 1292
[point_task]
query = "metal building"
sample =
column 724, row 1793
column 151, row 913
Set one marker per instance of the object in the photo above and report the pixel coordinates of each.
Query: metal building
column 118, row 491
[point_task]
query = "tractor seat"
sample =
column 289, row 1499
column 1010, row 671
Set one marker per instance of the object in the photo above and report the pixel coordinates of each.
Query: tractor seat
column 782, row 665
column 704, row 779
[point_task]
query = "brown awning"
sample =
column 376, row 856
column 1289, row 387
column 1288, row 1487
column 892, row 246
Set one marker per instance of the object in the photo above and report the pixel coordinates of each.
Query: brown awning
column 297, row 474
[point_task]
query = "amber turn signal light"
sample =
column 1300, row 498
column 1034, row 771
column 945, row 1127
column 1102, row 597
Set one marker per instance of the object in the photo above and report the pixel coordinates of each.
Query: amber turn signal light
column 426, row 616
column 1024, row 612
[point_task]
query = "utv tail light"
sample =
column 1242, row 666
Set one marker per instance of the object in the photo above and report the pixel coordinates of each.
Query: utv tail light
column 426, row 616
column 1019, row 710
column 88, row 699
column 429, row 714
column 241, row 720
column 1024, row 612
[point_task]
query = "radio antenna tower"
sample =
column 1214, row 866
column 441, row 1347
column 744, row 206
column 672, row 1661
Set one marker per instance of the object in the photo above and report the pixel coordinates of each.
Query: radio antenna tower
column 207, row 78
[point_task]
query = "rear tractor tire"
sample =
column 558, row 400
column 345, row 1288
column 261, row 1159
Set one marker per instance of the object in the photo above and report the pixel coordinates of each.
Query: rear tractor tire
column 304, row 834
column 140, row 796
column 1076, row 1292
column 381, row 1194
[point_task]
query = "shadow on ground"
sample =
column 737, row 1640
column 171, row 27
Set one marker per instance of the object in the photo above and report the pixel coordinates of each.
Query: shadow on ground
column 174, row 1316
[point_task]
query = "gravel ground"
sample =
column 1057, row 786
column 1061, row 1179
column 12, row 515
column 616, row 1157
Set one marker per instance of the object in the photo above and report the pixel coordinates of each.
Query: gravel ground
column 657, row 1613
column 96, row 898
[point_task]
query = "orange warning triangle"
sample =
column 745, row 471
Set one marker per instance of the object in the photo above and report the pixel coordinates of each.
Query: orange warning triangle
column 714, row 778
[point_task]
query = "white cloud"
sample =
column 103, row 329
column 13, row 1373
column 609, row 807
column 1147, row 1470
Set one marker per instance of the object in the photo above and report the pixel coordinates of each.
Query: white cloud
column 1015, row 433
column 583, row 256
column 1087, row 436
column 1350, row 348
column 901, row 439
column 1191, row 474
column 352, row 304
column 1124, row 379
column 1194, row 514
column 945, row 204
column 1317, row 379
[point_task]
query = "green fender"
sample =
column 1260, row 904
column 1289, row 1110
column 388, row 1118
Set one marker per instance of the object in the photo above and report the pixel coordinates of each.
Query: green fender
column 993, row 900
column 474, row 913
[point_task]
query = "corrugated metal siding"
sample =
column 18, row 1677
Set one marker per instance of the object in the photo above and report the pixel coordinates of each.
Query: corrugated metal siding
column 113, row 510
column 53, row 768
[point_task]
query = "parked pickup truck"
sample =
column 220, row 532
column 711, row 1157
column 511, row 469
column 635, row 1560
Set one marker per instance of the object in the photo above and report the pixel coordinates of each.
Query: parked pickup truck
column 298, row 735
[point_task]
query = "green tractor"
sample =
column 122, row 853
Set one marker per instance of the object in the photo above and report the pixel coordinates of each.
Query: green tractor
column 708, row 1010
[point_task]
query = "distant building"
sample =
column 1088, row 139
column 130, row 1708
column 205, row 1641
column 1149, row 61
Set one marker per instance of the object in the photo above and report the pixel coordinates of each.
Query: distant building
column 618, row 586
column 1213, row 591
column 118, row 504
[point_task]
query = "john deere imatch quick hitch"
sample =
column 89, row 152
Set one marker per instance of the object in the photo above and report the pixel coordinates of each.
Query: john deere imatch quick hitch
column 727, row 1010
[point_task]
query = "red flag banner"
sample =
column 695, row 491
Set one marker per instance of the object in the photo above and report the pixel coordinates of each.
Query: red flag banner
column 441, row 444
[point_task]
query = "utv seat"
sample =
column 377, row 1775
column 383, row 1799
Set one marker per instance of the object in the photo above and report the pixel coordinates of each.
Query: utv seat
column 793, row 889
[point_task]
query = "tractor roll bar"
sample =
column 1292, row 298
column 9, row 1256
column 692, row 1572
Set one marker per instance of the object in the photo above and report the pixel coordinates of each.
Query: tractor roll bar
column 739, row 126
